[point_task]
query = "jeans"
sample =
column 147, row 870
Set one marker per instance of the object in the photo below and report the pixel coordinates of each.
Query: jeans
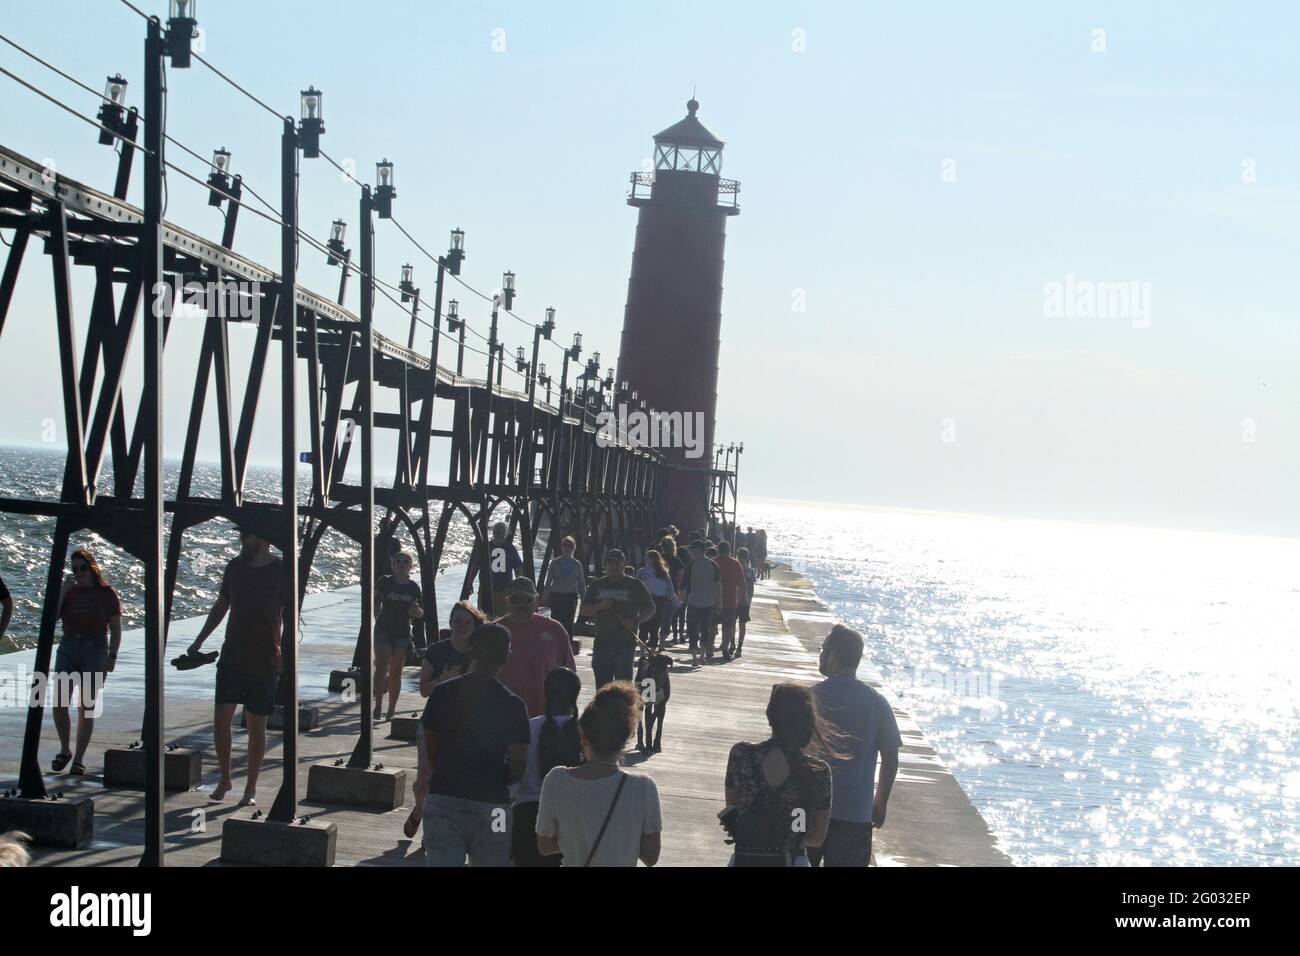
column 847, row 844
column 564, row 608
column 455, row 829
column 610, row 661
column 699, row 628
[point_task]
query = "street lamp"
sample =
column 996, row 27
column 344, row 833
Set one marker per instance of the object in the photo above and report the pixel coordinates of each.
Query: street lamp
column 219, row 178
column 456, row 254
column 312, row 122
column 181, row 26
column 521, row 361
column 508, row 289
column 549, row 325
column 385, row 191
column 112, row 112
column 337, row 255
column 407, row 285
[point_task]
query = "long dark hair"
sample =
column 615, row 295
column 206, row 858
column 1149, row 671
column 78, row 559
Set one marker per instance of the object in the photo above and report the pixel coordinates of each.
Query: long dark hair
column 801, row 733
column 92, row 564
column 560, row 746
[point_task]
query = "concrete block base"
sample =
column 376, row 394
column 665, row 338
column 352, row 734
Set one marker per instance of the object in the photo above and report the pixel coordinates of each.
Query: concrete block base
column 404, row 728
column 124, row 768
column 340, row 679
column 262, row 842
column 356, row 786
column 68, row 823
column 308, row 718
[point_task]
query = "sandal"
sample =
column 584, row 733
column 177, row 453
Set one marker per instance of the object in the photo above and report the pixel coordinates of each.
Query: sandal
column 77, row 769
column 59, row 762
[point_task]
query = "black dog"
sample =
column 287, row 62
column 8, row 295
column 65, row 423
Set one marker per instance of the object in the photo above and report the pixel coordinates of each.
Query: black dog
column 653, row 681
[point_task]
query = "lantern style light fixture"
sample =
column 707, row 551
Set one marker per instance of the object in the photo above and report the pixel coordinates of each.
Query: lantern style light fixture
column 453, row 316
column 508, row 289
column 219, row 178
column 456, row 251
column 181, row 29
column 385, row 191
column 521, row 361
column 112, row 112
column 311, row 124
column 541, row 373
column 576, row 349
column 609, row 379
column 548, row 326
column 407, row 285
column 337, row 254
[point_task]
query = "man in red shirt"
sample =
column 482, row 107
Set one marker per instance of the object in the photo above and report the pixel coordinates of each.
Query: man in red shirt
column 732, row 575
column 538, row 645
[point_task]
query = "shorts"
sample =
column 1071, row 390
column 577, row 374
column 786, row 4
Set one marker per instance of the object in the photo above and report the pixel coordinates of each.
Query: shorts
column 400, row 645
column 82, row 655
column 744, row 614
column 847, row 843
column 727, row 616
column 257, row 694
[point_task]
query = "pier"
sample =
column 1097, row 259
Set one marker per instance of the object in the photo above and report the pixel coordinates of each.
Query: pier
column 930, row 820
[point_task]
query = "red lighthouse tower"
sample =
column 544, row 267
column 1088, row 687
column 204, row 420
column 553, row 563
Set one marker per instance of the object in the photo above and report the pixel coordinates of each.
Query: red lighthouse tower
column 673, row 319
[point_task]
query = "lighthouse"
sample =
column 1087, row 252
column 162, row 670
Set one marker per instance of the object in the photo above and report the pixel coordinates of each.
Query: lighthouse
column 672, row 323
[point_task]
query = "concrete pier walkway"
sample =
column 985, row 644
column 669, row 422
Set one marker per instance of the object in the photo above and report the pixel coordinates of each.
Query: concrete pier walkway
column 930, row 822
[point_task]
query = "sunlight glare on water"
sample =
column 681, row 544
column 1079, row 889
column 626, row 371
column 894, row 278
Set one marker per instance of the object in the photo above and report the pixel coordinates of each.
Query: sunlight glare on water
column 1105, row 695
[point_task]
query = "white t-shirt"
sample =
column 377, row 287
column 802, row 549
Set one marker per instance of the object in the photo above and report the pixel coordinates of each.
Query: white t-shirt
column 574, row 809
column 529, row 787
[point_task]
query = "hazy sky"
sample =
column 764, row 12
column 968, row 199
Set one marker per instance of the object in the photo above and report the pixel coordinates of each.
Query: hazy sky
column 915, row 178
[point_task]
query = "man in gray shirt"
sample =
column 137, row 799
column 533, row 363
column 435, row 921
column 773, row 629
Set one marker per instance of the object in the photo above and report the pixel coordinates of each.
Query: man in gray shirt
column 703, row 594
column 867, row 727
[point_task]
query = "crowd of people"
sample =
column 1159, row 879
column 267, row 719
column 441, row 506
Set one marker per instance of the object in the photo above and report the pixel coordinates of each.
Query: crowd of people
column 509, row 770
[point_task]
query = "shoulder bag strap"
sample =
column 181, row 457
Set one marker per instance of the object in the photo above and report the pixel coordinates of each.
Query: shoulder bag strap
column 604, row 826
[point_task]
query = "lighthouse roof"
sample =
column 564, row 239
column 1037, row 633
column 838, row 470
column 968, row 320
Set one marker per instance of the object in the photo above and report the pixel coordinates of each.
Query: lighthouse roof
column 689, row 131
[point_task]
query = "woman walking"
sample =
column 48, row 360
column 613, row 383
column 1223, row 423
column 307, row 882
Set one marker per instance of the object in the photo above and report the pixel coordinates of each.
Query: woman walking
column 554, row 741
column 674, row 622
column 599, row 814
column 91, row 615
column 397, row 604
column 565, row 585
column 778, row 793
column 658, row 581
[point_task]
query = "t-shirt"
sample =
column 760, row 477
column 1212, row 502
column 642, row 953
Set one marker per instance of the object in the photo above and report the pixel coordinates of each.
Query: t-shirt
column 574, row 810
column 474, row 719
column 256, row 596
column 529, row 787
column 629, row 596
column 395, row 599
column 445, row 658
column 676, row 570
column 566, row 576
column 657, row 586
column 504, row 561
column 701, row 575
column 87, row 609
column 863, row 714
column 750, row 577
column 536, row 648
column 732, row 576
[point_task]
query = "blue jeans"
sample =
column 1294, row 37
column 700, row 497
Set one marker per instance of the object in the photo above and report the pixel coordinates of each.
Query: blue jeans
column 612, row 661
column 455, row 829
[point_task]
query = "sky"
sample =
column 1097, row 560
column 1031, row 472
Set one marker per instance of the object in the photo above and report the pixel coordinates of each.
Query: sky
column 931, row 194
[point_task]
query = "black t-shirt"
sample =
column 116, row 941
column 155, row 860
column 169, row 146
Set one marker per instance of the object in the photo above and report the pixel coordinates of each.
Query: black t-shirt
column 443, row 656
column 616, row 626
column 395, row 598
column 474, row 720
column 676, row 571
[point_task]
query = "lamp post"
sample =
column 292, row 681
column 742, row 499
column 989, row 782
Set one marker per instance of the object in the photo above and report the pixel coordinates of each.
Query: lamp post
column 219, row 178
column 456, row 324
column 409, row 293
column 117, row 119
column 181, row 26
column 311, row 122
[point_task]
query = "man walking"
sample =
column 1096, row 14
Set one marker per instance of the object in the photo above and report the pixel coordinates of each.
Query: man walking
column 252, row 590
column 503, row 562
column 732, row 578
column 618, row 603
column 868, row 726
column 538, row 645
column 476, row 735
column 703, row 592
